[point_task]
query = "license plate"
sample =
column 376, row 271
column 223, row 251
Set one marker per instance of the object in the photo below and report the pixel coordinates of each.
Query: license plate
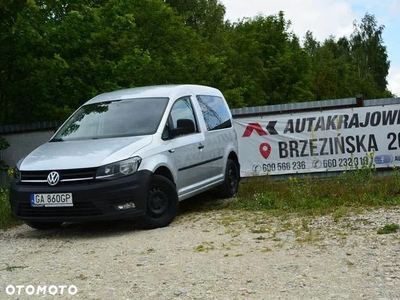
column 51, row 200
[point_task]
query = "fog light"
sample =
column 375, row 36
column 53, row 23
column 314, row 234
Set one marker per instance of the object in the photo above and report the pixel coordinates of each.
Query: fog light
column 127, row 205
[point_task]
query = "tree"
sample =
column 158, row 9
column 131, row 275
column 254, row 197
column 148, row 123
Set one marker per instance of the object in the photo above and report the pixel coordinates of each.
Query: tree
column 65, row 53
column 11, row 53
column 266, row 62
column 332, row 70
column 311, row 45
column 345, row 67
column 55, row 55
column 370, row 57
column 204, row 16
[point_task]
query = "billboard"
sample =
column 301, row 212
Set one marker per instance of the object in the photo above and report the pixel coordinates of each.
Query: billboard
column 319, row 141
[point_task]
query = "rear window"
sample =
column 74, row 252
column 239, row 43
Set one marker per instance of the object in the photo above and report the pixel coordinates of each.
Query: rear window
column 215, row 112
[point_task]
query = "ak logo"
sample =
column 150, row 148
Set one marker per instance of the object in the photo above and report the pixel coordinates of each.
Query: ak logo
column 264, row 148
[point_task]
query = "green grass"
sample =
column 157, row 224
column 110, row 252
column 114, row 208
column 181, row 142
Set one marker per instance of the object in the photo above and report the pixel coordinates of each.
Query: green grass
column 352, row 191
column 13, row 268
column 361, row 188
column 389, row 228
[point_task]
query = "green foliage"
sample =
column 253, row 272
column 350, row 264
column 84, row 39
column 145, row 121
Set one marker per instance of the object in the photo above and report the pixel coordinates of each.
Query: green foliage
column 370, row 57
column 55, row 56
column 13, row 268
column 204, row 16
column 3, row 145
column 388, row 228
column 337, row 196
column 267, row 63
column 346, row 67
column 356, row 188
column 6, row 220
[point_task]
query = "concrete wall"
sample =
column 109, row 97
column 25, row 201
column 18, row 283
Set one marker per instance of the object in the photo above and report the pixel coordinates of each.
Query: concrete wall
column 23, row 143
column 23, row 139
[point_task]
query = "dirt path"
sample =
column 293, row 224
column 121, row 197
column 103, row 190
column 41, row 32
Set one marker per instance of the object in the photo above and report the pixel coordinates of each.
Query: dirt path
column 207, row 255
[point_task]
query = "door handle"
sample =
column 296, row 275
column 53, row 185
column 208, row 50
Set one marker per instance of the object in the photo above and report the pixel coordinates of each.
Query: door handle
column 171, row 150
column 201, row 146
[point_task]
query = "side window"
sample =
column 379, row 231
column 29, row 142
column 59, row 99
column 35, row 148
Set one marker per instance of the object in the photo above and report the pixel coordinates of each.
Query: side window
column 215, row 112
column 181, row 110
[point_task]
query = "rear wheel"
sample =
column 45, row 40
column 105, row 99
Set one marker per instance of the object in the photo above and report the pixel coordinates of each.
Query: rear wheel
column 43, row 225
column 231, row 183
column 162, row 203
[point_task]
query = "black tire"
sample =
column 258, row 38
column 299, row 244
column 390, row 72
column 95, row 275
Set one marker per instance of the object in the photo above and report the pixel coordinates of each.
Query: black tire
column 162, row 203
column 43, row 225
column 231, row 183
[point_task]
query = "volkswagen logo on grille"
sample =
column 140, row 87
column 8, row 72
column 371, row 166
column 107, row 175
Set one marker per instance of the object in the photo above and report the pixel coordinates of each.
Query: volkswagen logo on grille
column 53, row 178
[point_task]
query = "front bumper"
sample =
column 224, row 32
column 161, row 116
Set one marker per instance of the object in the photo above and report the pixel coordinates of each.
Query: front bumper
column 93, row 201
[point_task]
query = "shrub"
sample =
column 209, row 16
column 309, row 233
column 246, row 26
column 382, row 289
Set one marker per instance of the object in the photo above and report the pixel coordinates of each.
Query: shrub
column 389, row 228
column 6, row 220
column 3, row 145
column 361, row 186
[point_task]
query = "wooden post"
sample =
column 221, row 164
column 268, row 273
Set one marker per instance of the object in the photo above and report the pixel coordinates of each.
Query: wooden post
column 359, row 100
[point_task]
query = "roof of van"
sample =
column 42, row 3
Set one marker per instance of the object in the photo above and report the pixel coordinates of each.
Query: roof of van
column 168, row 91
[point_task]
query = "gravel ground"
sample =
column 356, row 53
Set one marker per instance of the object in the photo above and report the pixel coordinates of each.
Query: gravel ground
column 218, row 254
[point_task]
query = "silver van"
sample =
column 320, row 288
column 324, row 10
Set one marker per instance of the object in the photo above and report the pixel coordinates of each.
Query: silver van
column 130, row 153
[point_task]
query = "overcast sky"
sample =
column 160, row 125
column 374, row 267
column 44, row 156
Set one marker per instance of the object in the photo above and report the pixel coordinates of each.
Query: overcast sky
column 331, row 17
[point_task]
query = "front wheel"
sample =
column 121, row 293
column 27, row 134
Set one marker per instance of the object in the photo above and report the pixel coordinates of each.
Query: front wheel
column 43, row 225
column 162, row 203
column 231, row 183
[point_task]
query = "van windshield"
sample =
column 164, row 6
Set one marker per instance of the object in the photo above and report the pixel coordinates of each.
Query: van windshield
column 119, row 118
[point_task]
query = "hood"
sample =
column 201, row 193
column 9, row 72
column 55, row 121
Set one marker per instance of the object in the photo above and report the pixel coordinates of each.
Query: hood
column 82, row 153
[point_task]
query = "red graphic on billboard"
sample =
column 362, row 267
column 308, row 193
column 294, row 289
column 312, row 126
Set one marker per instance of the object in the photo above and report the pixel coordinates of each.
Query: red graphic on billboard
column 265, row 148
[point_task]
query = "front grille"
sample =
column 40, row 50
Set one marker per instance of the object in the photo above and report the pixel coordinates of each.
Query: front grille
column 83, row 209
column 66, row 176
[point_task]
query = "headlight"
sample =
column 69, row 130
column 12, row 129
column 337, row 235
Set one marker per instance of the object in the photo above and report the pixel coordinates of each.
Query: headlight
column 119, row 169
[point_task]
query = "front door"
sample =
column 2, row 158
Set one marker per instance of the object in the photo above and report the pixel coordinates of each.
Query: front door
column 188, row 148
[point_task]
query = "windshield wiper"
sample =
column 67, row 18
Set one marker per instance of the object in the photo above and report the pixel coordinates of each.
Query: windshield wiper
column 57, row 140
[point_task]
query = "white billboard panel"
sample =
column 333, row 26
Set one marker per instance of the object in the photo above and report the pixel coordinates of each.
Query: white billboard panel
column 319, row 141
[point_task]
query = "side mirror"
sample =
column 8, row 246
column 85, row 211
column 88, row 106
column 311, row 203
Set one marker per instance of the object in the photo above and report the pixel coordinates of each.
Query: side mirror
column 184, row 126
